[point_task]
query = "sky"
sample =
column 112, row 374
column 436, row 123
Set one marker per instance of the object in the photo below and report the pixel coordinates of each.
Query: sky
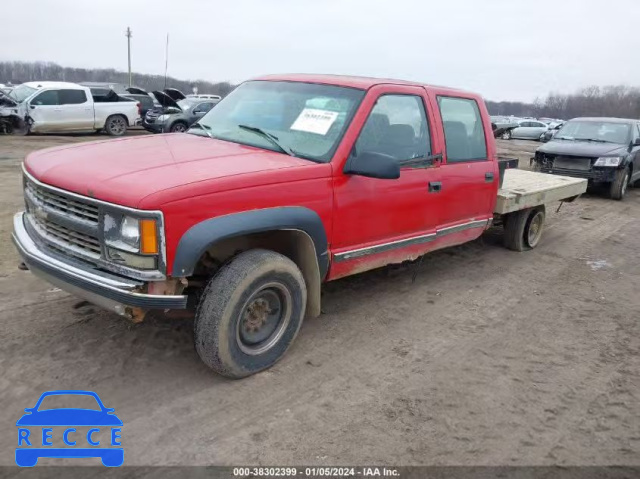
column 512, row 50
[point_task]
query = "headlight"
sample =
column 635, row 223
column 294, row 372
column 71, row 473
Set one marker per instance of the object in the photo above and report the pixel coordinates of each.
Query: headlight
column 131, row 241
column 608, row 161
column 163, row 118
column 130, row 232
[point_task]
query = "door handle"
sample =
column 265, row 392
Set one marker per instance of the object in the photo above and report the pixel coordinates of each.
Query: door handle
column 488, row 177
column 435, row 186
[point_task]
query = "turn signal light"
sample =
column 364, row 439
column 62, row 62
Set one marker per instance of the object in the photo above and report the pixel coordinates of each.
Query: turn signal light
column 148, row 237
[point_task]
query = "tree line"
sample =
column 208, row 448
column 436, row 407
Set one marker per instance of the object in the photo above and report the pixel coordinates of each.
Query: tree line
column 20, row 72
column 614, row 101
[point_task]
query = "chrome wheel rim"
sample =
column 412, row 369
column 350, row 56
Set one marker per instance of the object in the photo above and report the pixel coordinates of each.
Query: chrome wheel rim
column 264, row 318
column 117, row 125
column 535, row 230
column 506, row 135
column 179, row 128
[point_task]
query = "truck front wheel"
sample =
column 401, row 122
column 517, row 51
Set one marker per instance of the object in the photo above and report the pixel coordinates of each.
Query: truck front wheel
column 620, row 183
column 523, row 229
column 250, row 313
column 115, row 125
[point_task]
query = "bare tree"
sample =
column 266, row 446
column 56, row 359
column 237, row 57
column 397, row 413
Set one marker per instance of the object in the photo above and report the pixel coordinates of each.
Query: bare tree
column 20, row 72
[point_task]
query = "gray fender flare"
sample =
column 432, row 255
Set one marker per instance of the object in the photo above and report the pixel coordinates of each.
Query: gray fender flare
column 201, row 236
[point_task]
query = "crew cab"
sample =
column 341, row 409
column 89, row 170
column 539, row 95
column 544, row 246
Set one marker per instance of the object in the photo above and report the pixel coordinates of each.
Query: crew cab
column 288, row 182
column 59, row 107
column 606, row 151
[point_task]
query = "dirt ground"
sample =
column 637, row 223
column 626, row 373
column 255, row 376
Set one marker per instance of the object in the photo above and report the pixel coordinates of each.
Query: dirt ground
column 490, row 358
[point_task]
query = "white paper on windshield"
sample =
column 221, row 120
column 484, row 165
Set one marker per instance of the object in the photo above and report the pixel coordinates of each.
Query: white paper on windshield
column 315, row 121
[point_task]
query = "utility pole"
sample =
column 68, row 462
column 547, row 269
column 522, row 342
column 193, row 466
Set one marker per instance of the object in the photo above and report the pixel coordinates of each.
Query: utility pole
column 128, row 35
column 166, row 62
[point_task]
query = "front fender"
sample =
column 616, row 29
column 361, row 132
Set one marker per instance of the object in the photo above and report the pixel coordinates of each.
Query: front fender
column 201, row 236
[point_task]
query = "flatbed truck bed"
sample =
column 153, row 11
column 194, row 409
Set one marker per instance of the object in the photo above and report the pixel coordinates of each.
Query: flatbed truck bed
column 522, row 189
column 520, row 206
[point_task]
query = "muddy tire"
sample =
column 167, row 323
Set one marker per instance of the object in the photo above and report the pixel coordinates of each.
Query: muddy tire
column 523, row 229
column 620, row 184
column 178, row 127
column 249, row 313
column 116, row 125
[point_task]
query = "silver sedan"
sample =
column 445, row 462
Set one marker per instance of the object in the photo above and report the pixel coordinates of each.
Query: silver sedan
column 526, row 130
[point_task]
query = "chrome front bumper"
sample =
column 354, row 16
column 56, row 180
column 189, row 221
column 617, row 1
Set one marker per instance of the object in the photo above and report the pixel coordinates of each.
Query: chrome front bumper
column 104, row 289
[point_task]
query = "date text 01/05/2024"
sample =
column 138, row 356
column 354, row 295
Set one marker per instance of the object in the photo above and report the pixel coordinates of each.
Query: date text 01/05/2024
column 321, row 471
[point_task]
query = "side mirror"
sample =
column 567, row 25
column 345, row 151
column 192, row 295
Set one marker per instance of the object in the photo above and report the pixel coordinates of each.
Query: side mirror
column 33, row 107
column 636, row 142
column 374, row 165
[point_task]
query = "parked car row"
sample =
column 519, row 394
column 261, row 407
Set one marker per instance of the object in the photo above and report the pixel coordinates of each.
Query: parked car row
column 53, row 107
column 541, row 129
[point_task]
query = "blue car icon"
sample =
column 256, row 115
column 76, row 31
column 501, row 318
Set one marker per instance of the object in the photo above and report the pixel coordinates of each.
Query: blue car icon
column 28, row 452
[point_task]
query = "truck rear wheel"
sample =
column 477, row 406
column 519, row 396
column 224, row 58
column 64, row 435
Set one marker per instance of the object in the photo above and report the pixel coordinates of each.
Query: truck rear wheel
column 250, row 313
column 523, row 229
column 115, row 125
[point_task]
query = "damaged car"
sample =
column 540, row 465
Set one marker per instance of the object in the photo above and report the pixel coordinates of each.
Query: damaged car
column 62, row 107
column 176, row 114
column 12, row 118
column 606, row 151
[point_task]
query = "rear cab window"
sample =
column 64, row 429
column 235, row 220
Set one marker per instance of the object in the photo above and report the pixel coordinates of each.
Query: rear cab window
column 72, row 97
column 463, row 129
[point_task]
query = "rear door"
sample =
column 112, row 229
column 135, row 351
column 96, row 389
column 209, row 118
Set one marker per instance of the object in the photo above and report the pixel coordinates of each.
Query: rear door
column 45, row 111
column 537, row 129
column 376, row 221
column 469, row 173
column 76, row 109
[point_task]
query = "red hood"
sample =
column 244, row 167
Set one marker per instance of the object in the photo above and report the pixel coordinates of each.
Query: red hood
column 127, row 170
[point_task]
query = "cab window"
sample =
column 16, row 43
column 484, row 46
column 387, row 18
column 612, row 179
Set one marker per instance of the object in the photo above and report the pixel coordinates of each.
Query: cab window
column 46, row 98
column 397, row 126
column 72, row 97
column 463, row 129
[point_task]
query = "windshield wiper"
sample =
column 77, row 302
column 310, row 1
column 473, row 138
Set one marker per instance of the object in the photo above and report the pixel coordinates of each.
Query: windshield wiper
column 564, row 138
column 205, row 128
column 272, row 138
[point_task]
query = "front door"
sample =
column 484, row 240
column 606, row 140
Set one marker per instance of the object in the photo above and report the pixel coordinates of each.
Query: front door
column 45, row 111
column 378, row 221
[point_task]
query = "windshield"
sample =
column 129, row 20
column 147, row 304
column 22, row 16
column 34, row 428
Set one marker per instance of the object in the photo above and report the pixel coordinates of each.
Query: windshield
column 609, row 132
column 21, row 93
column 307, row 119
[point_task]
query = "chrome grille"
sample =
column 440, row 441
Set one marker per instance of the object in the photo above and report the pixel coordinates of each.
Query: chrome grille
column 62, row 221
column 63, row 236
column 62, row 204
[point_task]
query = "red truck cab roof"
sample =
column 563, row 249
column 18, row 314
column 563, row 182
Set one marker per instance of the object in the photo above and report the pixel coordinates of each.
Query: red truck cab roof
column 362, row 83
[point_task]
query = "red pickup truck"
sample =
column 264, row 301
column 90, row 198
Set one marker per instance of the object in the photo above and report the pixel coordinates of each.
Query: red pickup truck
column 288, row 182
